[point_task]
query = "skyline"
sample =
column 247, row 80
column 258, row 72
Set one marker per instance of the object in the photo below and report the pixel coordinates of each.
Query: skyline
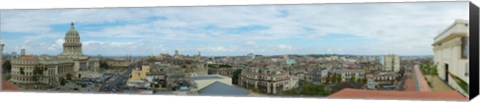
column 236, row 30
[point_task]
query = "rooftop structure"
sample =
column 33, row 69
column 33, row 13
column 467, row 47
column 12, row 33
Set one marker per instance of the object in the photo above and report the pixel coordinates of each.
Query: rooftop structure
column 270, row 80
column 221, row 89
column 6, row 86
column 451, row 51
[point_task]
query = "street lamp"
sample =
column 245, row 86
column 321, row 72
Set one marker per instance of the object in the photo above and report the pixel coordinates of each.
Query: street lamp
column 1, row 62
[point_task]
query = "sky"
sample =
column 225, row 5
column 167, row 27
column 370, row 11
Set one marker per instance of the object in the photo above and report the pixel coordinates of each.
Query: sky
column 358, row 29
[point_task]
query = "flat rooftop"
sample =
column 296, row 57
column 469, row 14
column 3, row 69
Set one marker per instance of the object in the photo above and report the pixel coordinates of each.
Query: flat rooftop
column 209, row 77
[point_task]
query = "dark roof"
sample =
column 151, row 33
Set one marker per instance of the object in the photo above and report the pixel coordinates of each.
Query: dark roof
column 206, row 77
column 222, row 89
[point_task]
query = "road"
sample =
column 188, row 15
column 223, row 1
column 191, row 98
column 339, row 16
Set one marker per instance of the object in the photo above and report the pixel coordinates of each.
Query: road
column 118, row 80
column 410, row 81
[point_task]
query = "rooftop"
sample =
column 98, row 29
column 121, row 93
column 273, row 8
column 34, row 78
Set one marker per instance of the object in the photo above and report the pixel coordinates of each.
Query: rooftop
column 406, row 95
column 8, row 87
column 221, row 89
column 28, row 57
column 209, row 77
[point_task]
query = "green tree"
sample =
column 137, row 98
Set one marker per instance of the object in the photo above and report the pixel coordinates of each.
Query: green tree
column 235, row 76
column 62, row 81
column 359, row 80
column 329, row 79
column 225, row 66
column 308, row 89
column 352, row 78
column 69, row 76
column 339, row 78
column 38, row 73
column 7, row 66
column 103, row 64
column 21, row 71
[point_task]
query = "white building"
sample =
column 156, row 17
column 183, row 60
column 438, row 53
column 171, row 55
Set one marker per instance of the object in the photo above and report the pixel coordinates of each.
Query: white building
column 451, row 54
column 348, row 73
column 391, row 63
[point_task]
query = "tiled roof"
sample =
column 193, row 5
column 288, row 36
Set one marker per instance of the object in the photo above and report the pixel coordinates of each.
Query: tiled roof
column 9, row 87
column 28, row 57
column 221, row 89
column 347, row 84
column 400, row 95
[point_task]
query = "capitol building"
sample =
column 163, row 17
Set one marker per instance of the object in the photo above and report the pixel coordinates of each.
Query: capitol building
column 50, row 70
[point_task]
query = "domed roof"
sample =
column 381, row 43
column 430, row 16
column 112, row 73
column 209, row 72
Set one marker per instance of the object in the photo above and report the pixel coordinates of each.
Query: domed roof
column 72, row 31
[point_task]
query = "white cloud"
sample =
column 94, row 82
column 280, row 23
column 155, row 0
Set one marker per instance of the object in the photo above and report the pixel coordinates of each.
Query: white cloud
column 403, row 28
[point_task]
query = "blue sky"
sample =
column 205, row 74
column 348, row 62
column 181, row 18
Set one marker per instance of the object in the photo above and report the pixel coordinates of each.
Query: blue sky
column 361, row 29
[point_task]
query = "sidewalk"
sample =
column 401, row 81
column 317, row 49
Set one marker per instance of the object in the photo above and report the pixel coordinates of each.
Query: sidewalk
column 410, row 82
column 438, row 84
column 422, row 84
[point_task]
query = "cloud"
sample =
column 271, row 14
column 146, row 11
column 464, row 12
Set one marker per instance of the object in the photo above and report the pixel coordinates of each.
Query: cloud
column 401, row 28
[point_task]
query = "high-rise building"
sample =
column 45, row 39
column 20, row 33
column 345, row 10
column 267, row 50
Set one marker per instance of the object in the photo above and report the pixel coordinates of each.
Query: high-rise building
column 23, row 53
column 391, row 63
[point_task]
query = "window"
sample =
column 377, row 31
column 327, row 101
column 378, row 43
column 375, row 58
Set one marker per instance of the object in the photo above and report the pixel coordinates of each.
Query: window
column 465, row 47
column 467, row 69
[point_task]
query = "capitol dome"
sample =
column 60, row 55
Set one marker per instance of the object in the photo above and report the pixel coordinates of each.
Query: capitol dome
column 72, row 32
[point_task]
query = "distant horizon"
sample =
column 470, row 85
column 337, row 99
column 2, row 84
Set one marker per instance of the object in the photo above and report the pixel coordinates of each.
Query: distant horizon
column 355, row 29
column 171, row 54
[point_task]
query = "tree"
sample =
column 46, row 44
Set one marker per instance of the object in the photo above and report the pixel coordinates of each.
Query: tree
column 21, row 71
column 339, row 78
column 308, row 89
column 69, row 76
column 62, row 81
column 236, row 75
column 38, row 73
column 329, row 79
column 359, row 80
column 352, row 78
column 103, row 64
column 225, row 66
column 7, row 66
column 334, row 78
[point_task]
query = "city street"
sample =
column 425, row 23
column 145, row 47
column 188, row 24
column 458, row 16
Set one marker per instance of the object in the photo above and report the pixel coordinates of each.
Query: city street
column 409, row 80
column 114, row 84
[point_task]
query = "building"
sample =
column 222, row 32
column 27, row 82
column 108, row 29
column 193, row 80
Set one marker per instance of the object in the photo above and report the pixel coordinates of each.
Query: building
column 54, row 69
column 117, row 62
column 203, row 81
column 349, row 73
column 138, row 78
column 317, row 76
column 23, row 52
column 371, row 84
column 269, row 80
column 51, row 69
column 221, row 89
column 386, row 80
column 451, row 53
column 391, row 63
